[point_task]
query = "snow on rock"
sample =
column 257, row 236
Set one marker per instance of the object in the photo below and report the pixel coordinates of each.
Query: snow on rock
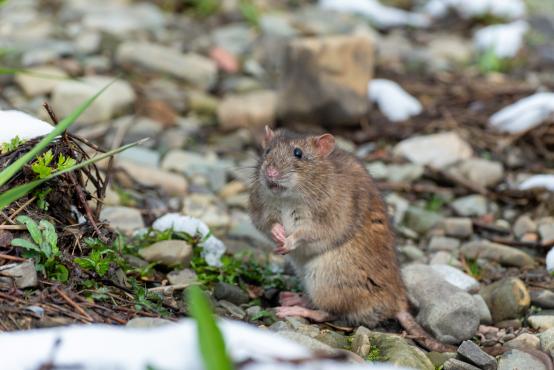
column 395, row 103
column 171, row 346
column 456, row 277
column 213, row 248
column 524, row 114
column 550, row 261
column 504, row 40
column 15, row 123
column 508, row 9
column 436, row 150
column 538, row 181
column 380, row 15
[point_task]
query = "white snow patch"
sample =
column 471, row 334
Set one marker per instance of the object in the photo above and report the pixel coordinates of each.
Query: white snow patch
column 379, row 15
column 15, row 123
column 524, row 114
column 508, row 9
column 504, row 40
column 538, row 181
column 212, row 248
column 169, row 347
column 550, row 261
column 456, row 277
column 395, row 103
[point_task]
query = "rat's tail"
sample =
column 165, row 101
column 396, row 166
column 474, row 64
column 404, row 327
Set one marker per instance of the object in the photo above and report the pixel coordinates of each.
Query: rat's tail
column 420, row 335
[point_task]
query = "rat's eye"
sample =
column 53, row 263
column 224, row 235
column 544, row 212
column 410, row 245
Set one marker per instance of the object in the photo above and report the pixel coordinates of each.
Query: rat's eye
column 297, row 153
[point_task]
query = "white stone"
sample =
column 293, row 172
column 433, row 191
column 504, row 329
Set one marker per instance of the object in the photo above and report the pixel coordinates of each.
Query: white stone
column 125, row 219
column 15, row 123
column 456, row 277
column 40, row 80
column 395, row 103
column 504, row 40
column 525, row 114
column 436, row 150
column 68, row 95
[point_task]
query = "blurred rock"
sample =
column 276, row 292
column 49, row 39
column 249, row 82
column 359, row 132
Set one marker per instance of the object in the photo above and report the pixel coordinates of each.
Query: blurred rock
column 195, row 69
column 524, row 341
column 443, row 243
column 448, row 312
column 542, row 321
column 547, row 341
column 479, row 171
column 182, row 277
column 436, row 150
column 230, row 293
column 546, row 229
column 40, row 80
column 455, row 364
column 360, row 342
column 502, row 254
column 484, row 311
column 252, row 110
column 516, row 360
column 398, row 352
column 420, row 220
column 69, row 94
column 147, row 322
column 457, row 226
column 333, row 339
column 235, row 38
column 542, row 298
column 171, row 183
column 168, row 252
column 470, row 352
column 124, row 219
column 471, row 205
column 456, row 277
column 325, row 80
column 23, row 274
column 235, row 311
column 523, row 225
column 507, row 299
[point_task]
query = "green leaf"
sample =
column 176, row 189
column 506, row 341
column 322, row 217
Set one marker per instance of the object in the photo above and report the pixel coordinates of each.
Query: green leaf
column 13, row 194
column 24, row 243
column 212, row 345
column 65, row 162
column 61, row 273
column 84, row 262
column 32, row 227
column 49, row 232
column 11, row 170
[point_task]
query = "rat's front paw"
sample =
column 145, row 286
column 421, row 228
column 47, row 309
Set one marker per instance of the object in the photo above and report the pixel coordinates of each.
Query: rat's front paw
column 278, row 233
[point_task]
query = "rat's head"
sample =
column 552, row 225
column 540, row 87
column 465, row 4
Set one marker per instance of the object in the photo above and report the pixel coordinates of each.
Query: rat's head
column 289, row 159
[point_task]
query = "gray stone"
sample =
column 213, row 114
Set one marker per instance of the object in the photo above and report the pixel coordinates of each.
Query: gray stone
column 547, row 341
column 455, row 364
column 192, row 68
column 448, row 312
column 519, row 360
column 445, row 258
column 379, row 171
column 251, row 110
column 523, row 225
column 325, row 80
column 69, row 94
column 168, row 252
column 147, row 322
column 360, row 342
column 443, row 243
column 507, row 299
column 482, row 172
column 456, row 277
column 436, row 150
column 125, row 219
column 484, row 312
column 524, row 341
column 404, row 172
column 439, row 358
column 234, row 310
column 411, row 253
column 296, row 322
column 171, row 183
column 449, row 48
column 208, row 208
column 242, row 227
column 235, row 38
column 457, row 226
column 308, row 342
column 230, row 293
column 546, row 229
column 502, row 254
column 471, row 205
column 333, row 339
column 542, row 321
column 398, row 352
column 420, row 220
column 277, row 25
column 141, row 156
column 280, row 326
column 40, row 80
column 542, row 298
column 400, row 206
column 182, row 277
column 470, row 352
column 23, row 274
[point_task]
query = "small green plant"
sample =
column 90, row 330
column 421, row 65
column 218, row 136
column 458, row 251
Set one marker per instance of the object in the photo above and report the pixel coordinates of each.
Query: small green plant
column 435, row 204
column 145, row 299
column 474, row 269
column 12, row 145
column 489, row 62
column 101, row 257
column 375, row 354
column 263, row 314
column 41, row 198
column 43, row 249
column 210, row 339
column 250, row 12
column 42, row 165
column 203, row 8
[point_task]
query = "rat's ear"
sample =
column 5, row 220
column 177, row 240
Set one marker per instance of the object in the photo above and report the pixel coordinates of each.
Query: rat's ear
column 269, row 134
column 325, row 144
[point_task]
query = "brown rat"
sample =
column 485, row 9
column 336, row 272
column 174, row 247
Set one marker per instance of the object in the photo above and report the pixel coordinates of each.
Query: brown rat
column 322, row 208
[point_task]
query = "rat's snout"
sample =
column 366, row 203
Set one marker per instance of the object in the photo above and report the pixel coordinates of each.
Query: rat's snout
column 272, row 173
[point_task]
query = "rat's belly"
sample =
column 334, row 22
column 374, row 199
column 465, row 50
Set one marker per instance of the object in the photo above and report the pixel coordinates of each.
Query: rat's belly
column 288, row 218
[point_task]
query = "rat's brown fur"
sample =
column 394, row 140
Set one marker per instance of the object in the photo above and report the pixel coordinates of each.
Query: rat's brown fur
column 344, row 253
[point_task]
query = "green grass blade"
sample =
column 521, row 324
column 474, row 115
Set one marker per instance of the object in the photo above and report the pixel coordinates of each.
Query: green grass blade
column 9, row 196
column 11, row 170
column 212, row 346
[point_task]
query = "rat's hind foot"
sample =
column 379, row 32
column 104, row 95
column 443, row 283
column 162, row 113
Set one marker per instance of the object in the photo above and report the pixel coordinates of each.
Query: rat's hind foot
column 314, row 315
column 293, row 299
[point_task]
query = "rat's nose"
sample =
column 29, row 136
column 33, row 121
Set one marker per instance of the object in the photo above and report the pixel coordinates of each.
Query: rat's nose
column 272, row 172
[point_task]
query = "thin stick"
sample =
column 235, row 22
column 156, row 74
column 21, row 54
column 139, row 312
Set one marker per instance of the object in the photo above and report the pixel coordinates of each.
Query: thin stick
column 73, row 304
column 12, row 258
column 21, row 208
column 13, row 227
